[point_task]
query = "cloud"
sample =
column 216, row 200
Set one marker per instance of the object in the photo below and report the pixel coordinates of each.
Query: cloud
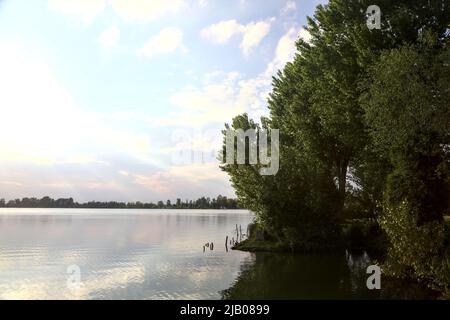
column 86, row 9
column 50, row 146
column 145, row 10
column 179, row 177
column 222, row 31
column 11, row 183
column 225, row 95
column 123, row 173
column 202, row 3
column 47, row 138
column 289, row 7
column 168, row 40
column 252, row 33
column 305, row 35
column 286, row 49
column 153, row 182
column 109, row 38
column 216, row 101
column 129, row 10
column 42, row 124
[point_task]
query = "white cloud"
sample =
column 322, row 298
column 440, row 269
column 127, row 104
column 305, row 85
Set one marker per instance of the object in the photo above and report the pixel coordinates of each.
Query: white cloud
column 222, row 31
column 252, row 33
column 42, row 124
column 217, row 101
column 109, row 38
column 289, row 7
column 168, row 40
column 145, row 10
column 123, row 173
column 86, row 9
column 51, row 146
column 175, row 178
column 202, row 3
column 305, row 35
column 214, row 102
column 221, row 95
column 225, row 95
column 129, row 10
column 286, row 49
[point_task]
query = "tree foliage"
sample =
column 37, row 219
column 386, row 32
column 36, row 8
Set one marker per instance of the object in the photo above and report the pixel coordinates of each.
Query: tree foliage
column 407, row 105
column 363, row 118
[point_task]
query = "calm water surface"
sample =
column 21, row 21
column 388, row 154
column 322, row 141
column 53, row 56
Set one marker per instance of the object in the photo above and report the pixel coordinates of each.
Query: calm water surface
column 158, row 254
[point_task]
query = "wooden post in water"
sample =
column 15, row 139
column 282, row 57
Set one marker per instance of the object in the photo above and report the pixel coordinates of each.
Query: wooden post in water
column 211, row 246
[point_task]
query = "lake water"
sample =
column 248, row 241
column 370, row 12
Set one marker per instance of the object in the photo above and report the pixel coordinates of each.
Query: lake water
column 158, row 254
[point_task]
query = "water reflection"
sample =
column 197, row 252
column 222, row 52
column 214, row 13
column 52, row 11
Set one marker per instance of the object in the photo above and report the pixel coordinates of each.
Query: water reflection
column 148, row 254
column 315, row 276
column 158, row 254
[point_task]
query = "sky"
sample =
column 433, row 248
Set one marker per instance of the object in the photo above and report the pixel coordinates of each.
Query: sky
column 124, row 99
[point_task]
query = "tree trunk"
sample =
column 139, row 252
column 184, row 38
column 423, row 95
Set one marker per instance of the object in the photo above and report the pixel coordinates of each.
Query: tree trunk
column 342, row 177
column 342, row 181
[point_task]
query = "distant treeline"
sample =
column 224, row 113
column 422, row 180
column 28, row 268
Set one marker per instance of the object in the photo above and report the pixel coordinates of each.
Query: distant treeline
column 221, row 202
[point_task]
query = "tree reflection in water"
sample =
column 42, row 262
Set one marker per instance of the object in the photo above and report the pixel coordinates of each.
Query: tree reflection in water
column 316, row 276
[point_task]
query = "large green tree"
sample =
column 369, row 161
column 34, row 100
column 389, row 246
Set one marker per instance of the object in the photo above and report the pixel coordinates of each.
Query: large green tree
column 407, row 106
column 325, row 135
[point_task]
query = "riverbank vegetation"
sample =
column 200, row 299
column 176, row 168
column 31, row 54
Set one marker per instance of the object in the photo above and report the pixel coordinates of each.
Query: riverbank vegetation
column 364, row 118
column 221, row 202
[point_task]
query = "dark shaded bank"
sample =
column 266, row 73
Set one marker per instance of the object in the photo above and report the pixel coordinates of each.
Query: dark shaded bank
column 338, row 275
column 356, row 235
